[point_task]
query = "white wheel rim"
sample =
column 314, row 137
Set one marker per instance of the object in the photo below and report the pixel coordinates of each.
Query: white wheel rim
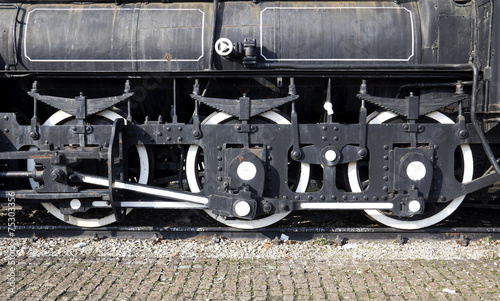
column 468, row 166
column 55, row 119
column 192, row 178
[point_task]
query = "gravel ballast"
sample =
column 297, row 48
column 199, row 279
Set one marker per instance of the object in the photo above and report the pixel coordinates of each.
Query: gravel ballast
column 234, row 249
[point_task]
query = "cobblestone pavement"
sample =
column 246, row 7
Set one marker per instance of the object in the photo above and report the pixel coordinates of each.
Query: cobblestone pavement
column 175, row 278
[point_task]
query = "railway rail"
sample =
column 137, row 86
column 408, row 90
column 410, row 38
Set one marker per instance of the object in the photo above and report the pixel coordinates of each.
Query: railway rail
column 341, row 235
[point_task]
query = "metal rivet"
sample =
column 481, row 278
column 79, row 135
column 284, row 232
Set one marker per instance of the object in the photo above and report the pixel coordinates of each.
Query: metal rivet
column 168, row 129
column 168, row 138
column 219, row 168
column 297, row 197
column 385, row 178
column 160, row 134
column 309, row 198
column 6, row 117
column 219, row 178
column 219, row 147
column 180, row 139
column 335, row 138
column 386, row 167
column 5, row 130
column 323, row 138
column 385, row 188
column 386, row 147
column 269, row 147
column 344, row 197
column 386, row 157
column 180, row 129
column 335, row 128
column 322, row 197
column 324, row 128
column 219, row 158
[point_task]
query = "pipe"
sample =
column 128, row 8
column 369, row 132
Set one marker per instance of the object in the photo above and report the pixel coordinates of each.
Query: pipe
column 473, row 117
column 416, row 67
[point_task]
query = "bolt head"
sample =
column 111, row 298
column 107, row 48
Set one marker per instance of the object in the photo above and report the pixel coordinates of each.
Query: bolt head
column 463, row 134
column 362, row 152
column 267, row 207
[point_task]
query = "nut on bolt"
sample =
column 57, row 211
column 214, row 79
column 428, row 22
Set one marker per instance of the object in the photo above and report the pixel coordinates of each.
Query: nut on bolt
column 267, row 207
column 34, row 135
column 57, row 175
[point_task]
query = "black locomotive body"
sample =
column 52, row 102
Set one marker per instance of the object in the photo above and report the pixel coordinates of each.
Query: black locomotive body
column 250, row 110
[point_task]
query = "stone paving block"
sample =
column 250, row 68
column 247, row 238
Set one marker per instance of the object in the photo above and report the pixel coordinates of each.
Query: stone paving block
column 224, row 279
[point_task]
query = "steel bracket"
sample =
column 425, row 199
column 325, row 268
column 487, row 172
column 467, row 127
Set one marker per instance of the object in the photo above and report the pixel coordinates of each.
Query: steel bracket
column 116, row 161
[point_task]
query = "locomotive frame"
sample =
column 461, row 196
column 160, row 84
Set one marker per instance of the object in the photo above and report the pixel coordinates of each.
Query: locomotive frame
column 252, row 127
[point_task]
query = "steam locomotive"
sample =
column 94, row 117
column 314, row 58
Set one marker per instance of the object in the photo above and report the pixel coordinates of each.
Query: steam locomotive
column 250, row 110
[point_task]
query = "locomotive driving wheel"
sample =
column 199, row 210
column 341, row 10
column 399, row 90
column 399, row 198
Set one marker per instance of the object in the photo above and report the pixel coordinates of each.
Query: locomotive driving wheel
column 434, row 212
column 139, row 172
column 195, row 173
